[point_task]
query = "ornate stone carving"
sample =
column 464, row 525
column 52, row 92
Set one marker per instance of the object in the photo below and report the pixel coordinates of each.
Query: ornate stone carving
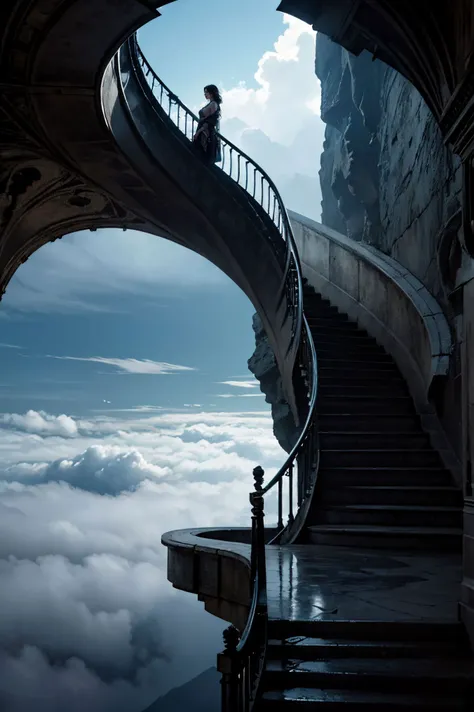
column 12, row 187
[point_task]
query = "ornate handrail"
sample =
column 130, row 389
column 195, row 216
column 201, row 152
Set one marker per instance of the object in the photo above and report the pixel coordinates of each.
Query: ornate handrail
column 261, row 189
column 242, row 663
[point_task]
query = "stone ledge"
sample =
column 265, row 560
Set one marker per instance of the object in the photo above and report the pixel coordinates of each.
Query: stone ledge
column 217, row 570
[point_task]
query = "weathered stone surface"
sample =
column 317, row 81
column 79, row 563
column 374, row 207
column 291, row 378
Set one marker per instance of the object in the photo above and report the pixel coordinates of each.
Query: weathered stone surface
column 264, row 367
column 386, row 176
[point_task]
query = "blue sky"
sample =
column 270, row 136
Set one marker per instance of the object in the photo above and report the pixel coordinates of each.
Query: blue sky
column 116, row 350
column 204, row 326
column 197, row 43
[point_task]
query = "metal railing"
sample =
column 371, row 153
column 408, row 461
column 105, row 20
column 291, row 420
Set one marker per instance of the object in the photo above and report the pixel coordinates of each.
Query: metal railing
column 242, row 661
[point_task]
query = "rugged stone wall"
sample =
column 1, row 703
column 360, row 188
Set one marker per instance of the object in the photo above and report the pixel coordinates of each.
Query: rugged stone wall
column 263, row 365
column 386, row 176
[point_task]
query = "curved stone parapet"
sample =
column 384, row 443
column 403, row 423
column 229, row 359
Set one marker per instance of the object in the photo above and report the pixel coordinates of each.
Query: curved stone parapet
column 383, row 297
column 215, row 565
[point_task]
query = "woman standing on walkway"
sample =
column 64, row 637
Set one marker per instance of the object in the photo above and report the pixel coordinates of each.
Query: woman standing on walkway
column 206, row 139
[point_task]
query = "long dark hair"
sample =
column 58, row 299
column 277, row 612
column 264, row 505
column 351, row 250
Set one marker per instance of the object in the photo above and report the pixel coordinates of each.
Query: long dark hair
column 214, row 92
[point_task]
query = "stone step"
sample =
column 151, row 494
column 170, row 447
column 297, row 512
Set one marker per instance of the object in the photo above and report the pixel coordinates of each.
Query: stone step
column 388, row 476
column 384, row 457
column 343, row 364
column 377, row 439
column 331, row 321
column 385, row 537
column 316, row 305
column 337, row 700
column 375, row 674
column 308, row 648
column 310, row 294
column 391, row 515
column 340, row 333
column 387, row 388
column 367, row 422
column 316, row 310
column 399, row 405
column 373, row 630
column 389, row 495
column 340, row 377
column 362, row 347
column 331, row 317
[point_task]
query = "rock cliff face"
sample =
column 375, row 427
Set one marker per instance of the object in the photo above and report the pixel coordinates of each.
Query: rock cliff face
column 263, row 365
column 387, row 179
column 386, row 176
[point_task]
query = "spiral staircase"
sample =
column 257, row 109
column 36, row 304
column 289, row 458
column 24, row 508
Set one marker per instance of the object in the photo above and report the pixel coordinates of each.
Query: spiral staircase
column 362, row 473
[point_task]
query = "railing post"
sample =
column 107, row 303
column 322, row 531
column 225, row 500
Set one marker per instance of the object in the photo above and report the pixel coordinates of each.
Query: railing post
column 227, row 665
column 258, row 528
column 280, row 504
column 290, row 495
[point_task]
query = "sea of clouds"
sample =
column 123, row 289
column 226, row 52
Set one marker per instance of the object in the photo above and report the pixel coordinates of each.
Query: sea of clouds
column 87, row 617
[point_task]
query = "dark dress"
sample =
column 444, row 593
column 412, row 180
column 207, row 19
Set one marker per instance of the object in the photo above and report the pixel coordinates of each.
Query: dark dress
column 206, row 139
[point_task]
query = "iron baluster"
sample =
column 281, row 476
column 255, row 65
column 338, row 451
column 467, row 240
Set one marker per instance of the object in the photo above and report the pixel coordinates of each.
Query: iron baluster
column 238, row 168
column 280, row 504
column 290, row 494
column 227, row 666
column 246, row 175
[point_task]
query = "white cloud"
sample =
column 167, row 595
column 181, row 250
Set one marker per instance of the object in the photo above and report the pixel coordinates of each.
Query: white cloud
column 240, row 384
column 278, row 122
column 80, row 526
column 102, row 469
column 9, row 346
column 106, row 262
column 287, row 87
column 132, row 365
column 240, row 395
column 40, row 422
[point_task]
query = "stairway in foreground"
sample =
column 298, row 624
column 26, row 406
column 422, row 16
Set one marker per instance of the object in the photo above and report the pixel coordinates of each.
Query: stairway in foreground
column 382, row 489
column 373, row 666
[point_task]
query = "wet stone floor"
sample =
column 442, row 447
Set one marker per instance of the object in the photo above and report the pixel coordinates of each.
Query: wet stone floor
column 336, row 583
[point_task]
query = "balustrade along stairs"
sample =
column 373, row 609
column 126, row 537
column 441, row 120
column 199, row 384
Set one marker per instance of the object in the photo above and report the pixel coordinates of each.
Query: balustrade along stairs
column 362, row 475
